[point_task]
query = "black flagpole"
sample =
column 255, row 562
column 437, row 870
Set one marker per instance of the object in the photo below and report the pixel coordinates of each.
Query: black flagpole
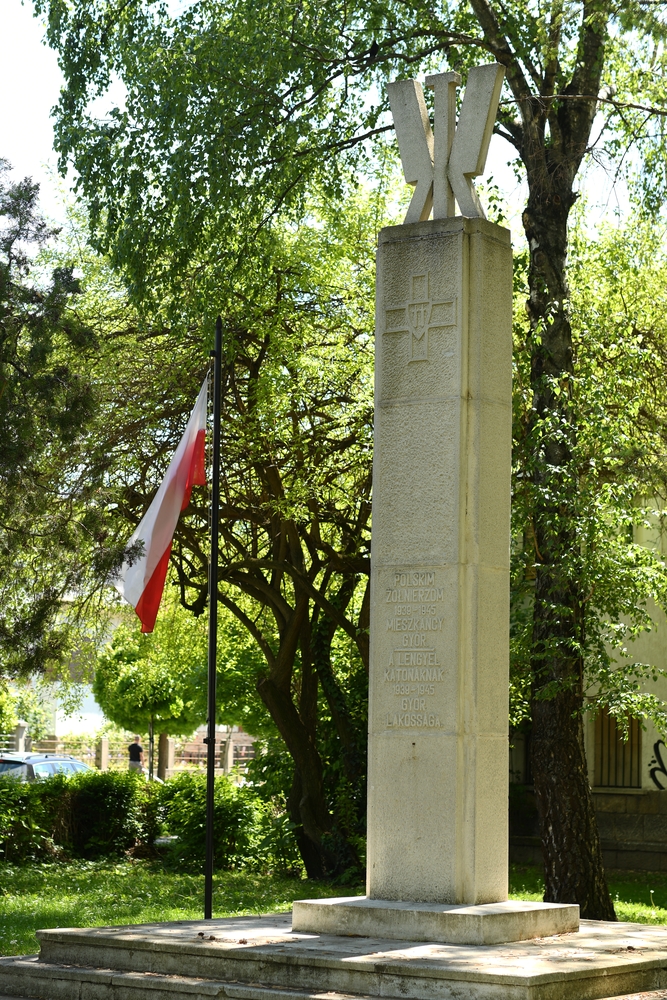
column 213, row 622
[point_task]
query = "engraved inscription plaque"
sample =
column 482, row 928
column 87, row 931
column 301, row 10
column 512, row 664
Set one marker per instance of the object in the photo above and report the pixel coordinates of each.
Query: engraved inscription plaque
column 414, row 674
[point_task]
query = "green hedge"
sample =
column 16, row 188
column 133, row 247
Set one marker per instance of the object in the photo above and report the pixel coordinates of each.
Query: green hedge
column 90, row 815
column 106, row 813
column 247, row 831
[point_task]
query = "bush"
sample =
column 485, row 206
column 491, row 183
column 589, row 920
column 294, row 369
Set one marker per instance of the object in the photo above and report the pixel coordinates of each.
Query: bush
column 248, row 832
column 90, row 815
column 100, row 813
column 236, row 815
column 103, row 814
column 24, row 822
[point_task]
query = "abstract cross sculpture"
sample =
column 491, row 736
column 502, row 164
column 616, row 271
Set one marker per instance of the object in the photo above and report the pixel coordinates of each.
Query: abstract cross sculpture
column 442, row 166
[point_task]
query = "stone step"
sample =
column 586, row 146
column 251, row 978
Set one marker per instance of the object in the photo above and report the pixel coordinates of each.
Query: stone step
column 654, row 995
column 261, row 957
column 31, row 978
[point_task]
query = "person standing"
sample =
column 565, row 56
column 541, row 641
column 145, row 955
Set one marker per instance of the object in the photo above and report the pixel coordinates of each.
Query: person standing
column 136, row 752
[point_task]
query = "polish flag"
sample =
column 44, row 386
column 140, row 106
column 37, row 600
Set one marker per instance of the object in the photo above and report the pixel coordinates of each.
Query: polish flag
column 142, row 583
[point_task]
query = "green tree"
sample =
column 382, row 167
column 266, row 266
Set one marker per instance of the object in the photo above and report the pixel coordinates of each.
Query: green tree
column 297, row 315
column 45, row 410
column 613, row 490
column 157, row 682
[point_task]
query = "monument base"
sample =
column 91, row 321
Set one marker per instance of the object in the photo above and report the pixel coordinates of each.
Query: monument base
column 263, row 958
column 488, row 923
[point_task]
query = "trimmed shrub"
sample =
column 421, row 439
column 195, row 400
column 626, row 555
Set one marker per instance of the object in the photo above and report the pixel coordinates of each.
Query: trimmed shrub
column 100, row 813
column 25, row 821
column 89, row 815
column 106, row 813
column 236, row 819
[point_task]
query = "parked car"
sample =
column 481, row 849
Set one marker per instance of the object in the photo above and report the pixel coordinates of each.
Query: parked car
column 35, row 766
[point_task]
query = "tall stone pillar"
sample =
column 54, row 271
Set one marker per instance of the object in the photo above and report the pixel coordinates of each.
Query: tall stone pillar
column 438, row 712
column 439, row 639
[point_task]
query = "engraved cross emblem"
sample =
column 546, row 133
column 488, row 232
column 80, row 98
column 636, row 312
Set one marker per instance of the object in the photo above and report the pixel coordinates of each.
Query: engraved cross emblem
column 420, row 316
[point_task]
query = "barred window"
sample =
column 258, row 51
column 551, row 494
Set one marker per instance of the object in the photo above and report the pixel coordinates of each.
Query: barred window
column 617, row 762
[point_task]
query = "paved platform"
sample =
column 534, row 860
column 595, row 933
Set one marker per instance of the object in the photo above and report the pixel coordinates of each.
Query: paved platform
column 261, row 958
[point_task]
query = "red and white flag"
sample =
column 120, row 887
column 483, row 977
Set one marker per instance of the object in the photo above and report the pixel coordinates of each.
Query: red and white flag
column 142, row 583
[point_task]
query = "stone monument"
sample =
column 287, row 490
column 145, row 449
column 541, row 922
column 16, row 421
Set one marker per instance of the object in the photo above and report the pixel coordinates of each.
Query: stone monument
column 439, row 641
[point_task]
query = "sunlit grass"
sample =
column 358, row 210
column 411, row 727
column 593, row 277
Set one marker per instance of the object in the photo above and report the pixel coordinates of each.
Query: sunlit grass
column 88, row 894
column 94, row 893
column 640, row 897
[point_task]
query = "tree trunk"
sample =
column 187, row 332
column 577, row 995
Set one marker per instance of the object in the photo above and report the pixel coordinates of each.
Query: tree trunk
column 307, row 806
column 551, row 134
column 570, row 840
column 574, row 870
column 310, row 851
column 162, row 755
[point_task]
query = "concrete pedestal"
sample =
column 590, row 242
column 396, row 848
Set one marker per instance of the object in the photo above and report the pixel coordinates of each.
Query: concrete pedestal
column 492, row 923
column 262, row 958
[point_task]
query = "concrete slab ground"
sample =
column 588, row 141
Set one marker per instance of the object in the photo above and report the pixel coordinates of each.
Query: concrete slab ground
column 261, row 958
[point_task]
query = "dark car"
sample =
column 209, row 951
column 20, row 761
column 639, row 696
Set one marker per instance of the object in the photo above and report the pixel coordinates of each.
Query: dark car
column 34, row 766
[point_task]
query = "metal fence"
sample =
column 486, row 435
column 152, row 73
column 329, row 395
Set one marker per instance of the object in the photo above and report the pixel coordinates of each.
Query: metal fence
column 233, row 750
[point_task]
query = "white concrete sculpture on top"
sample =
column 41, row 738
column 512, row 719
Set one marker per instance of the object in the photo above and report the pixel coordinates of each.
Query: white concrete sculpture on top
column 442, row 162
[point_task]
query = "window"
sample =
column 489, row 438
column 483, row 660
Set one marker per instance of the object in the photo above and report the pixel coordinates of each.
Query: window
column 15, row 770
column 63, row 767
column 617, row 762
column 43, row 770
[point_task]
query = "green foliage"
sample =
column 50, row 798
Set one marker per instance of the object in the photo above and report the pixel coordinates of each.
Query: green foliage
column 203, row 152
column 613, row 494
column 29, row 705
column 25, row 819
column 157, row 679
column 24, row 701
column 45, row 408
column 162, row 677
column 89, row 815
column 236, row 115
column 248, row 833
column 297, row 465
column 104, row 814
column 8, row 716
column 184, row 801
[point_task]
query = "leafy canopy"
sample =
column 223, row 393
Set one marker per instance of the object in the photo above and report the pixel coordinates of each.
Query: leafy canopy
column 616, row 484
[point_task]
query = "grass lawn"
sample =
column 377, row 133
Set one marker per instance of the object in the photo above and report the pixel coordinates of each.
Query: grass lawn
column 638, row 896
column 86, row 894
column 90, row 893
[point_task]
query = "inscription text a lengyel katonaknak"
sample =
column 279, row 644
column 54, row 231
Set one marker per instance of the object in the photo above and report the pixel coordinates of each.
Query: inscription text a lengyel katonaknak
column 414, row 673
